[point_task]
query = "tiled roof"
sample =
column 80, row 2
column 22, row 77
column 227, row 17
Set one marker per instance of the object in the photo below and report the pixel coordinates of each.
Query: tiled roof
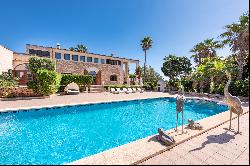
column 20, row 53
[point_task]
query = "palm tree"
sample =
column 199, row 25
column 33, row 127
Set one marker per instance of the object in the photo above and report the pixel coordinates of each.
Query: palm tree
column 71, row 48
column 81, row 48
column 146, row 44
column 237, row 36
column 205, row 49
column 211, row 46
column 198, row 53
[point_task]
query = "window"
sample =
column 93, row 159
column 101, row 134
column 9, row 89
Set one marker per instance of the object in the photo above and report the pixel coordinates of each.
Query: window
column 102, row 61
column 21, row 74
column 29, row 76
column 113, row 78
column 113, row 62
column 82, row 58
column 67, row 56
column 75, row 57
column 96, row 60
column 89, row 59
column 40, row 53
column 69, row 73
column 58, row 55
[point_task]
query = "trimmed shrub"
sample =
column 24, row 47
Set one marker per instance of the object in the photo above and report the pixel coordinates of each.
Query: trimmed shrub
column 186, row 84
column 33, row 85
column 37, row 63
column 80, row 80
column 240, row 88
column 7, row 80
column 212, row 87
column 46, row 83
column 221, row 89
column 120, row 86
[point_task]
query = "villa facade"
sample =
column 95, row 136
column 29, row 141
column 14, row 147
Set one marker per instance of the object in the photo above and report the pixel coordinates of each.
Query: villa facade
column 6, row 57
column 104, row 69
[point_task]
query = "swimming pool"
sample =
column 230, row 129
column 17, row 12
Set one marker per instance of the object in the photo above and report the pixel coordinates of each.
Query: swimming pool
column 63, row 134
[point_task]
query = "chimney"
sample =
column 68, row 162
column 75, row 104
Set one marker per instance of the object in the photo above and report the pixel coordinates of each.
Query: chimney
column 58, row 46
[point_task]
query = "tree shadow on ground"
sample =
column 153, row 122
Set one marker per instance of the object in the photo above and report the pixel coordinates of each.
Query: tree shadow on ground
column 217, row 139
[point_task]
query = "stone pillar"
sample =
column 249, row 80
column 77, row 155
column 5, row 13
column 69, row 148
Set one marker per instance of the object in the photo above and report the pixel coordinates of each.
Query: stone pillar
column 137, row 64
column 137, row 81
column 127, row 77
column 126, row 71
column 128, row 83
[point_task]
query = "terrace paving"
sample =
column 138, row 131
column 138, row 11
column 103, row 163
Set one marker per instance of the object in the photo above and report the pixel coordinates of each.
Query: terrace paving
column 215, row 147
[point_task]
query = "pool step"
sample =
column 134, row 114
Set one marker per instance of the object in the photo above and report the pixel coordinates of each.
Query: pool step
column 96, row 89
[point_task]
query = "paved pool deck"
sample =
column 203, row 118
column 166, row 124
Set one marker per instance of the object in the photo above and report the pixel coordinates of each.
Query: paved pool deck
column 215, row 147
column 137, row 152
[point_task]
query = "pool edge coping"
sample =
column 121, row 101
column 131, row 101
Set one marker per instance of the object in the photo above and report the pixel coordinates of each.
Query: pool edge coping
column 20, row 109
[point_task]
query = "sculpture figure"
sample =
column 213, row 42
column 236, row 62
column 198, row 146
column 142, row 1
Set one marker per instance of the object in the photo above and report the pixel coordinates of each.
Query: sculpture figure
column 165, row 138
column 179, row 108
column 194, row 125
column 233, row 102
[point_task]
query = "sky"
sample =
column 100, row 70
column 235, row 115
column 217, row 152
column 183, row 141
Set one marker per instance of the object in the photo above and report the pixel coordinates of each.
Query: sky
column 118, row 26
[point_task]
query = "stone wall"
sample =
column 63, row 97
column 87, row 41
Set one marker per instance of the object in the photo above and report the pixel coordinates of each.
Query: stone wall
column 107, row 70
column 17, row 92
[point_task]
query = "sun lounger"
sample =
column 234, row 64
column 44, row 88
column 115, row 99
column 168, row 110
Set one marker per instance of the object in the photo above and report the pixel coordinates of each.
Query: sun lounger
column 120, row 90
column 140, row 90
column 130, row 90
column 113, row 90
column 72, row 89
column 125, row 90
column 134, row 89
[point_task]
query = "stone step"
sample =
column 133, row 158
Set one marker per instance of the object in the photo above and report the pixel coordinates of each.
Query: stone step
column 96, row 86
column 96, row 91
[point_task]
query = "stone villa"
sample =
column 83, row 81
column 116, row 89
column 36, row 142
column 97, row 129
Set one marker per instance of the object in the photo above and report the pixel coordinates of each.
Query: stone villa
column 105, row 69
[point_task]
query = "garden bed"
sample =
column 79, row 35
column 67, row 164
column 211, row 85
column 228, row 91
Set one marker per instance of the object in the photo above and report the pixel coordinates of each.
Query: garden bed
column 17, row 92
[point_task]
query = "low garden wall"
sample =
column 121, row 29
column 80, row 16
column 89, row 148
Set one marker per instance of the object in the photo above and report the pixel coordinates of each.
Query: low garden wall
column 17, row 92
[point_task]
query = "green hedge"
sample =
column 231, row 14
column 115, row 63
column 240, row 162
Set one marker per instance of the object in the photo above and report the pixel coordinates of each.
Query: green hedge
column 46, row 82
column 81, row 80
column 120, row 86
column 236, row 88
column 240, row 88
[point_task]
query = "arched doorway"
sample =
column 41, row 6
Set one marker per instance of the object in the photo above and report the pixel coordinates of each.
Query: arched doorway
column 21, row 71
column 96, row 74
column 93, row 74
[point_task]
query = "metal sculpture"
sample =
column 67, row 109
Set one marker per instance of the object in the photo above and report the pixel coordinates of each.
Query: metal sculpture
column 165, row 138
column 233, row 102
column 194, row 125
column 179, row 108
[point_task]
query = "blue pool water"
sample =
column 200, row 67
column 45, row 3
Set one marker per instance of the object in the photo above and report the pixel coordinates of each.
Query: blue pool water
column 65, row 134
